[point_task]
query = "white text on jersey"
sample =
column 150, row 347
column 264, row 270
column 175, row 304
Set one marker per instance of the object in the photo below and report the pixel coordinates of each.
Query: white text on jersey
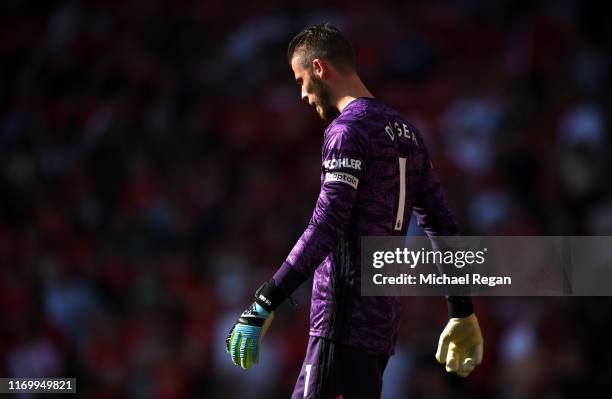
column 332, row 164
column 402, row 131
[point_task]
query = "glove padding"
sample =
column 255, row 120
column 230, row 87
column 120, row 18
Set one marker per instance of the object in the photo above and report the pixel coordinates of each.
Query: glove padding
column 245, row 337
column 460, row 346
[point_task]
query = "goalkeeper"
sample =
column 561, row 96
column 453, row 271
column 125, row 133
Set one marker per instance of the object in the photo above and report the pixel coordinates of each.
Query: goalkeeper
column 375, row 173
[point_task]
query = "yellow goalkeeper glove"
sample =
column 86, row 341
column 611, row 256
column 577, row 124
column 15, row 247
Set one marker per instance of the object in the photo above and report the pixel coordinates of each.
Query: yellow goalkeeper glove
column 460, row 345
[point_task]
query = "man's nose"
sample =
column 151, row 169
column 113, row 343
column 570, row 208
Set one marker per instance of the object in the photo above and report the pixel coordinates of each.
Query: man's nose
column 304, row 95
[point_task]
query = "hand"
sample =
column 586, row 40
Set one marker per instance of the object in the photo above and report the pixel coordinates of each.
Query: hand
column 460, row 346
column 245, row 337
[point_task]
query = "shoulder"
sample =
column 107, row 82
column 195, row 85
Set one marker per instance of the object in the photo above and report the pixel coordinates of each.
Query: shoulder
column 345, row 132
column 357, row 119
column 344, row 139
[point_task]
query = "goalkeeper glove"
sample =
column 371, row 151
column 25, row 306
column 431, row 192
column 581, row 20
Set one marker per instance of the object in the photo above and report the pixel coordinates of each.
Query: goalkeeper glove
column 245, row 337
column 460, row 345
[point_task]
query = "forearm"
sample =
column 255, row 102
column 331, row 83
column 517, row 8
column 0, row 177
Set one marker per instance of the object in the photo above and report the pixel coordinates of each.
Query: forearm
column 328, row 221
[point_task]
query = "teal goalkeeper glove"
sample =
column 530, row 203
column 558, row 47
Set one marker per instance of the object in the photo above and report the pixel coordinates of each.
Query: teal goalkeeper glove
column 245, row 337
column 460, row 346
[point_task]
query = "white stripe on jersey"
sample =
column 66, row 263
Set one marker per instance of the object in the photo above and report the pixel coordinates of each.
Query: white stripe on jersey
column 402, row 195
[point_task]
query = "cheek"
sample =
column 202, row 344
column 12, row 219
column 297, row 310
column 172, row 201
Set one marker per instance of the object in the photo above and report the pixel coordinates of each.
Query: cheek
column 312, row 92
column 311, row 86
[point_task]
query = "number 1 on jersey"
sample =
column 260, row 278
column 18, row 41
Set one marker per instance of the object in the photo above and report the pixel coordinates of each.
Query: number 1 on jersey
column 307, row 379
column 399, row 220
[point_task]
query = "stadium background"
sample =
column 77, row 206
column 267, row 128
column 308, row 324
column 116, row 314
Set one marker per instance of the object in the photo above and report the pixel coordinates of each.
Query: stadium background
column 157, row 166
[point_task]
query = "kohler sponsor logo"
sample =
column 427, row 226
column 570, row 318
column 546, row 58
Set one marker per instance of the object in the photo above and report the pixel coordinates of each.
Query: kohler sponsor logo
column 332, row 164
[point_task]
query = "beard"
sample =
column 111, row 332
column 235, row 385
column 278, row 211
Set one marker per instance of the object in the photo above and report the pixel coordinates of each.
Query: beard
column 325, row 108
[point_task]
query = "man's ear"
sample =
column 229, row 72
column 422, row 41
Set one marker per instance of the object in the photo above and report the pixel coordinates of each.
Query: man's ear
column 319, row 68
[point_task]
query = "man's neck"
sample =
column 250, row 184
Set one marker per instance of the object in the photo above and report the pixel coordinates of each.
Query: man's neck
column 355, row 89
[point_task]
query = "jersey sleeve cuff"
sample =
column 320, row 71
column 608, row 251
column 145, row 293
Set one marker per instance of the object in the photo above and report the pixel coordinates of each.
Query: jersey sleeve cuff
column 459, row 306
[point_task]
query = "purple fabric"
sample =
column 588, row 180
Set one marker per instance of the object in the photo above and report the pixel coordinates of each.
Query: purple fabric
column 287, row 279
column 364, row 142
column 331, row 370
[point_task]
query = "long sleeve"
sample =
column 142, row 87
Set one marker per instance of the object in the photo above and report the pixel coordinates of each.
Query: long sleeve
column 436, row 218
column 344, row 161
column 431, row 208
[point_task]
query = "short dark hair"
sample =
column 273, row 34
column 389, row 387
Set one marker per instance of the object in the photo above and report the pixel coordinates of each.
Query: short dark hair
column 322, row 41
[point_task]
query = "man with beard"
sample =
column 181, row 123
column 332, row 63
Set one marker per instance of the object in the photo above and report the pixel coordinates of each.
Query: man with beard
column 375, row 172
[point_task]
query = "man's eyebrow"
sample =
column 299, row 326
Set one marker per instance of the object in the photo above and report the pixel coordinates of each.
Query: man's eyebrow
column 298, row 81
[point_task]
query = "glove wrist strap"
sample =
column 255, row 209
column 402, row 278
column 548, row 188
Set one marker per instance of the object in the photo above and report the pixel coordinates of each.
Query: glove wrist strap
column 269, row 296
column 459, row 306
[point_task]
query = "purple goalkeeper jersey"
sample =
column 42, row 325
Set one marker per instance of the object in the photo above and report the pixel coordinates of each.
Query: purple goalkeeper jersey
column 375, row 172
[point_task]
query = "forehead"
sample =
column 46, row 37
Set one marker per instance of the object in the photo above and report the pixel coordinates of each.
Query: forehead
column 296, row 66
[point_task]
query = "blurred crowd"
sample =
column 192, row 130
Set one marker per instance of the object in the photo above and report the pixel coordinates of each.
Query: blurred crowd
column 157, row 165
